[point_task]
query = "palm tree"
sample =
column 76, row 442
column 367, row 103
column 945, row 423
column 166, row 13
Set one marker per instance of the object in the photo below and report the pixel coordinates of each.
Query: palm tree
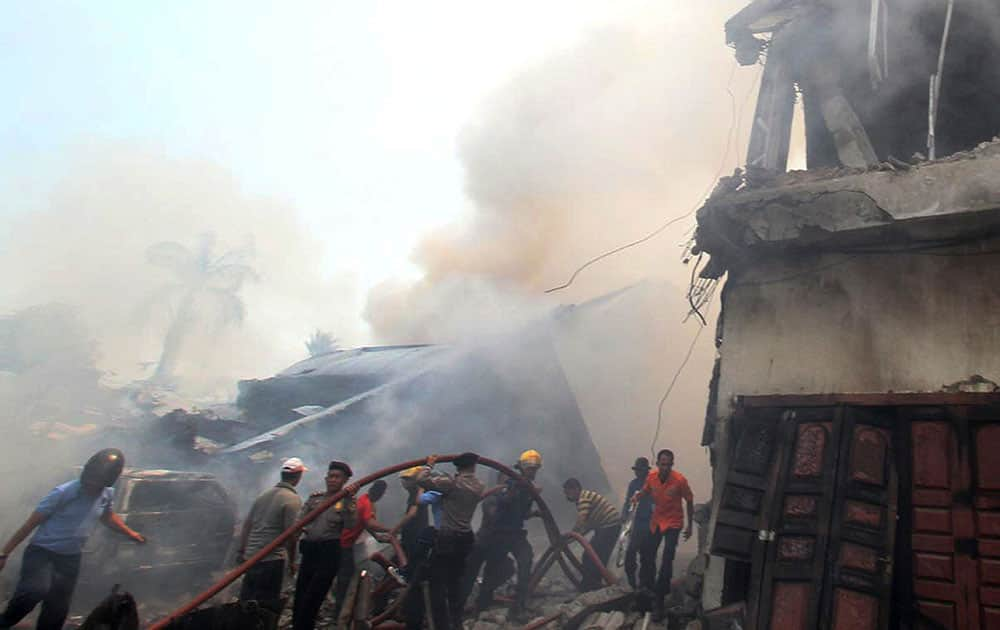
column 322, row 342
column 202, row 282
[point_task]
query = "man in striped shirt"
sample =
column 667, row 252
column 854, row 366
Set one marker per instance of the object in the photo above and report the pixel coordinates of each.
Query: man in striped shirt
column 597, row 514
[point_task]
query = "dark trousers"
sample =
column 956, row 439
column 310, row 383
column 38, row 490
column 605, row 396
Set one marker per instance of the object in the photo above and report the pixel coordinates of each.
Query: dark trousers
column 603, row 542
column 491, row 550
column 262, row 582
column 345, row 573
column 635, row 542
column 451, row 550
column 647, row 568
column 46, row 577
column 417, row 551
column 318, row 567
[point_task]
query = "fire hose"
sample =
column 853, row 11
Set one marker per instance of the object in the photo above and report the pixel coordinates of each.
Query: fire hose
column 558, row 549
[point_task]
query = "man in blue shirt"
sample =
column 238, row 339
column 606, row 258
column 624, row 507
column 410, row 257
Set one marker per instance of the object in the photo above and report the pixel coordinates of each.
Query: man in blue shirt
column 643, row 512
column 64, row 518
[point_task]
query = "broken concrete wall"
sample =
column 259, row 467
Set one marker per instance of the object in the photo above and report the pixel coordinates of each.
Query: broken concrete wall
column 851, row 323
column 832, row 322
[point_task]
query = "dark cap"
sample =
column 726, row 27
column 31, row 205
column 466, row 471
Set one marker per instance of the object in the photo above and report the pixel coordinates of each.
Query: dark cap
column 641, row 463
column 465, row 460
column 341, row 466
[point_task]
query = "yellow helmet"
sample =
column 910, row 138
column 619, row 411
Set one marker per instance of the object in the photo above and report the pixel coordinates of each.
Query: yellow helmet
column 410, row 473
column 530, row 458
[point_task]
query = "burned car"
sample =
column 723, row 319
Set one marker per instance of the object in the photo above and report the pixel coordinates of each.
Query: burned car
column 189, row 520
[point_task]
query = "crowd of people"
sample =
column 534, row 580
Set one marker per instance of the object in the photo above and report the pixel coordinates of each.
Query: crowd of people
column 444, row 557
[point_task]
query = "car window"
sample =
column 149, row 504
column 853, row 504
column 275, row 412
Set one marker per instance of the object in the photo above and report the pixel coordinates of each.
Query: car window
column 174, row 495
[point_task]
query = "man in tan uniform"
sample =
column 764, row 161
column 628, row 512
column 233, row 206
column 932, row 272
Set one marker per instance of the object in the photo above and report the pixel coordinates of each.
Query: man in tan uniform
column 272, row 513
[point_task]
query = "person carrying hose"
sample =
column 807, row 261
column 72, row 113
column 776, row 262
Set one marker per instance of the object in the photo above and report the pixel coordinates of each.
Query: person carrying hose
column 507, row 535
column 320, row 547
column 460, row 494
column 593, row 513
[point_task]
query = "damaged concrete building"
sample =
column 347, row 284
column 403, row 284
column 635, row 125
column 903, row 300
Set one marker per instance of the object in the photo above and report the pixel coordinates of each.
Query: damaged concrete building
column 854, row 410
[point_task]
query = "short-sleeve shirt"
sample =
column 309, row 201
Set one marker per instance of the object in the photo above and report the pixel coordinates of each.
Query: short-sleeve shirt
column 643, row 509
column 460, row 494
column 668, row 497
column 594, row 512
column 272, row 513
column 71, row 516
column 365, row 513
column 331, row 524
column 433, row 499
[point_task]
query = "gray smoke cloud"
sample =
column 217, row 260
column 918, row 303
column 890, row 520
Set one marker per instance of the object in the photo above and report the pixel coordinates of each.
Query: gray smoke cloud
column 590, row 148
column 88, row 247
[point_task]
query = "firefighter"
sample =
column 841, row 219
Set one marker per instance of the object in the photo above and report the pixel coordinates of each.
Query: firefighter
column 64, row 519
column 460, row 494
column 320, row 546
column 667, row 488
column 597, row 514
column 273, row 512
column 506, row 535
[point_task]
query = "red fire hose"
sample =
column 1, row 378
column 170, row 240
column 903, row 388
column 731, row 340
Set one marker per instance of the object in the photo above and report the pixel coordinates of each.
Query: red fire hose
column 552, row 530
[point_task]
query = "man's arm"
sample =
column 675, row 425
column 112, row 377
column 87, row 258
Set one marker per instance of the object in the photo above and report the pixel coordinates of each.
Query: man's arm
column 373, row 527
column 115, row 523
column 36, row 519
column 241, row 550
column 582, row 516
column 291, row 513
column 644, row 490
column 689, row 500
column 427, row 480
column 690, row 517
column 411, row 513
column 627, row 508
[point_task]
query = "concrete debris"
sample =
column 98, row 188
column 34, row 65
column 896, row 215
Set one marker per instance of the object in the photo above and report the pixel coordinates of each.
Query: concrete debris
column 610, row 598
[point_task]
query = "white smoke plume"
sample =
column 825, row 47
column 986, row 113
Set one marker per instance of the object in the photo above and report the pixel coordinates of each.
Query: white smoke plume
column 588, row 149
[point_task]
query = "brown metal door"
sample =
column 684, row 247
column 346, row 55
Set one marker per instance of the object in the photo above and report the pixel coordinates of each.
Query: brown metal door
column 941, row 518
column 863, row 525
column 984, row 429
column 744, row 509
column 830, row 562
column 793, row 578
column 945, row 564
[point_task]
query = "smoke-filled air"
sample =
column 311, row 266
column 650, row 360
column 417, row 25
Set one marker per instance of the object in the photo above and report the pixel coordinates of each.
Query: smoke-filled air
column 345, row 232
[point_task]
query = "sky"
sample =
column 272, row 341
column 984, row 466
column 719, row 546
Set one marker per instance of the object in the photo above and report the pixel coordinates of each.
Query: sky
column 370, row 150
column 409, row 172
column 348, row 110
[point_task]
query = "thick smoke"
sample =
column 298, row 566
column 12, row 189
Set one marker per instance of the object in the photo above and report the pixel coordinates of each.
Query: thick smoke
column 88, row 247
column 591, row 148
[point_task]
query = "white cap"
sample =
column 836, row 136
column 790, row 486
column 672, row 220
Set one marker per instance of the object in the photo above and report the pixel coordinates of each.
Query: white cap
column 293, row 465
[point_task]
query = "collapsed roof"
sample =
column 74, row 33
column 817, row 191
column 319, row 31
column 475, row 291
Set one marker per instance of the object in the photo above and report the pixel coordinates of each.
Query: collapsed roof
column 378, row 406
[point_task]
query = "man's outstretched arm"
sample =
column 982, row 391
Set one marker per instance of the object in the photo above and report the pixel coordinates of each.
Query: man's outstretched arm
column 36, row 519
column 115, row 523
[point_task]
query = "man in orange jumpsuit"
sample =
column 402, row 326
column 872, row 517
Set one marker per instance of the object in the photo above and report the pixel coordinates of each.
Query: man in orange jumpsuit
column 668, row 490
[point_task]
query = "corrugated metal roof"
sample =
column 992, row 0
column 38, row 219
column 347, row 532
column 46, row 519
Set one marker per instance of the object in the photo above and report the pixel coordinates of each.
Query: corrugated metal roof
column 378, row 361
